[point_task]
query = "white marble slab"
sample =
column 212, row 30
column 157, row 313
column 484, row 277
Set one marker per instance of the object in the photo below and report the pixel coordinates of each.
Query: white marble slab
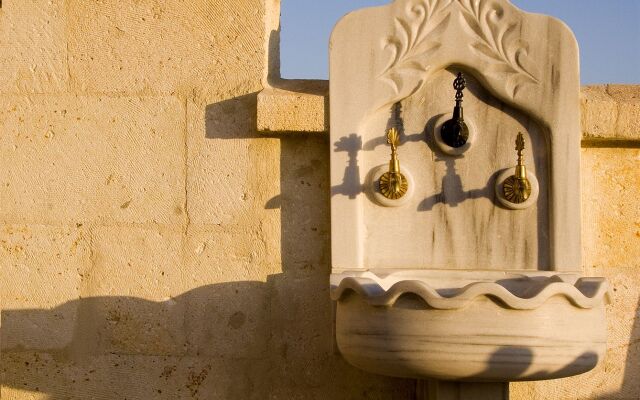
column 522, row 73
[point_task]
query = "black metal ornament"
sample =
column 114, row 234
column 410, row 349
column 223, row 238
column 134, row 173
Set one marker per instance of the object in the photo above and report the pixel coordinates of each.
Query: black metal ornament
column 455, row 132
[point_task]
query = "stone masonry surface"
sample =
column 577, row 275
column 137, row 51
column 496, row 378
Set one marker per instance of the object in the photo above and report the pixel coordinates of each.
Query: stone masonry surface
column 155, row 245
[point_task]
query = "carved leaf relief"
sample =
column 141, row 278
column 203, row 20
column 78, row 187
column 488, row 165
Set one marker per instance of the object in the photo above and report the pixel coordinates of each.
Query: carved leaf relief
column 496, row 40
column 418, row 36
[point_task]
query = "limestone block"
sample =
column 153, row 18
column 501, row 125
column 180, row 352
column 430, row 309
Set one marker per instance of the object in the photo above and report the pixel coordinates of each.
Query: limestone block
column 170, row 47
column 36, row 259
column 331, row 378
column 229, row 319
column 304, row 206
column 225, row 291
column 127, row 325
column 33, row 47
column 128, row 303
column 120, row 300
column 609, row 112
column 622, row 363
column 215, row 254
column 611, row 188
column 294, row 106
column 33, row 375
column 301, row 324
column 232, row 172
column 598, row 112
column 139, row 262
column 73, row 159
column 628, row 99
column 624, row 310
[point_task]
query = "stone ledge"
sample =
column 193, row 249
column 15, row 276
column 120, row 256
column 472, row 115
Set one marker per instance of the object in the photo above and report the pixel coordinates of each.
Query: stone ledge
column 301, row 106
column 294, row 106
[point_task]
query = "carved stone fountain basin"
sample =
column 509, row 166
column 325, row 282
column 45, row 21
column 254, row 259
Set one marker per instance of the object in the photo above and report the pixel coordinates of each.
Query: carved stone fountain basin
column 508, row 303
column 473, row 326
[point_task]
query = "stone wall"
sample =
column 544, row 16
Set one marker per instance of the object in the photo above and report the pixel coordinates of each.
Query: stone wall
column 155, row 245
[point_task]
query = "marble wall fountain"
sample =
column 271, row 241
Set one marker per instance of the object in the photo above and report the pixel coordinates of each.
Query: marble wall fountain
column 449, row 262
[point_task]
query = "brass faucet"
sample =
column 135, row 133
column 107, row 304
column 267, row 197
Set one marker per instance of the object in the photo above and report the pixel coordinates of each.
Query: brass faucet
column 517, row 187
column 393, row 185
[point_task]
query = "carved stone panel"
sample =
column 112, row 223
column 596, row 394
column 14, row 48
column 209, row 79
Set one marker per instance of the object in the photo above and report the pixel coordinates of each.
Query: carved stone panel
column 394, row 66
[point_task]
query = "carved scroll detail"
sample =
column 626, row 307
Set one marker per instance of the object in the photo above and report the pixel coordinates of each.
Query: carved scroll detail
column 496, row 42
column 418, row 36
column 415, row 40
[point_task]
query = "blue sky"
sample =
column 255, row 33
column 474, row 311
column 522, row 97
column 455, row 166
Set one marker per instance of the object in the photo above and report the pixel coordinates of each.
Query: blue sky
column 608, row 32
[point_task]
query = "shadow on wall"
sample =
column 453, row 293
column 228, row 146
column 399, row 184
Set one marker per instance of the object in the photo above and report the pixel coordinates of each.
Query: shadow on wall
column 630, row 388
column 232, row 340
column 242, row 340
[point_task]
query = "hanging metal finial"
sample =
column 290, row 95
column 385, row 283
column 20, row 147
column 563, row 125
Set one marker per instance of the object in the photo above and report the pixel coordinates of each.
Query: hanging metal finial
column 519, row 143
column 396, row 116
column 459, row 84
column 455, row 131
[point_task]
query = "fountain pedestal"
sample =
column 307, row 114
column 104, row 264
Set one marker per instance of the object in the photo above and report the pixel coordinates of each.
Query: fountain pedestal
column 443, row 390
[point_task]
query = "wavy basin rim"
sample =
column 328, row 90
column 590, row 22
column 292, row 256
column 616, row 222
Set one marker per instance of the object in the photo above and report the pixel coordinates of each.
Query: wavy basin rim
column 520, row 292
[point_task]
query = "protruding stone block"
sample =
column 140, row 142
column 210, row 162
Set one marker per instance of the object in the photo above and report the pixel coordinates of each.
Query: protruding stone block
column 294, row 106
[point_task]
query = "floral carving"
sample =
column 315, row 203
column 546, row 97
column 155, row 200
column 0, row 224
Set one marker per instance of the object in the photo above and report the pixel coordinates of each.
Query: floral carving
column 496, row 42
column 416, row 39
column 418, row 36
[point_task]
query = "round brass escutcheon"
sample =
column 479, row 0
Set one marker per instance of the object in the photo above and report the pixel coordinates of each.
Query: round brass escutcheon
column 391, row 188
column 504, row 178
column 516, row 190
